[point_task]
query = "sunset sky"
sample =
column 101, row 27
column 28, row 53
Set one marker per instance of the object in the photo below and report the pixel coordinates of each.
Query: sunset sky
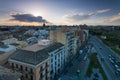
column 60, row 12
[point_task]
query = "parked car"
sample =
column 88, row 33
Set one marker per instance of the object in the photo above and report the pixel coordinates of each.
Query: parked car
column 78, row 71
column 111, row 61
column 117, row 72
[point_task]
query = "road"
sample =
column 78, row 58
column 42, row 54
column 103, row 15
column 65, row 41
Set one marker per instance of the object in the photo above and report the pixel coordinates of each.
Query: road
column 104, row 52
column 78, row 63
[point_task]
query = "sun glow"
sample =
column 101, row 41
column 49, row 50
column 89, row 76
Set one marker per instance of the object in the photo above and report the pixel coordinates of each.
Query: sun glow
column 35, row 12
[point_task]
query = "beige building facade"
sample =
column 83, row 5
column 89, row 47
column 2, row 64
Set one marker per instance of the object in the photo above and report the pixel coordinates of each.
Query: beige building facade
column 30, row 72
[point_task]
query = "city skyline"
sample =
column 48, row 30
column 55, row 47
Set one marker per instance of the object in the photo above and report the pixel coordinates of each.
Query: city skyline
column 64, row 12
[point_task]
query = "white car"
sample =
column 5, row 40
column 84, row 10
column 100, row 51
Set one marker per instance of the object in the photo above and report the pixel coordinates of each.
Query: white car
column 116, row 66
column 78, row 71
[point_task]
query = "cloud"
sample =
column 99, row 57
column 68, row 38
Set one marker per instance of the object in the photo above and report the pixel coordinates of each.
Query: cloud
column 114, row 18
column 27, row 18
column 82, row 17
column 78, row 17
column 103, row 11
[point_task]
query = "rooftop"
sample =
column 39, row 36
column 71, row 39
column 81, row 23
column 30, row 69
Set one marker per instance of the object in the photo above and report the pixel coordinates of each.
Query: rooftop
column 1, row 52
column 7, row 48
column 38, row 46
column 34, row 47
column 34, row 57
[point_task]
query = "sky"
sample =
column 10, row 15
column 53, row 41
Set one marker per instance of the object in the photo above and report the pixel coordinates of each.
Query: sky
column 59, row 12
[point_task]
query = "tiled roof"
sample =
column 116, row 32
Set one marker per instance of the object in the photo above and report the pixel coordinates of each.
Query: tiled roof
column 34, row 58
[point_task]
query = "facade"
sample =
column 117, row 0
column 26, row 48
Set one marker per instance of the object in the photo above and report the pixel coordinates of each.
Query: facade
column 78, row 40
column 34, row 61
column 32, row 65
column 57, row 61
column 85, row 34
column 65, row 37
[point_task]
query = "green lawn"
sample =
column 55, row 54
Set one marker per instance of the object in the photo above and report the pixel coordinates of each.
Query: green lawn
column 94, row 63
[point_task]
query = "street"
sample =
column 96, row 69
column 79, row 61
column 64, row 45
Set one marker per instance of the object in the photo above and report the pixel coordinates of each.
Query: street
column 104, row 52
column 78, row 64
column 103, row 56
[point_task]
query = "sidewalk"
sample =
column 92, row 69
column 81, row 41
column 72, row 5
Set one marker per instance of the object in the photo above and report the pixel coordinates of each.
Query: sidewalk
column 72, row 71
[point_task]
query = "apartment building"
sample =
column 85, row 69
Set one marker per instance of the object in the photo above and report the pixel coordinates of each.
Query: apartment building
column 78, row 40
column 67, row 38
column 34, row 61
column 57, row 60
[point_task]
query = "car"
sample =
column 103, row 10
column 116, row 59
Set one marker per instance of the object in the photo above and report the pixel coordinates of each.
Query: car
column 111, row 61
column 109, row 56
column 102, row 58
column 78, row 71
column 116, row 66
column 118, row 63
column 117, row 72
column 118, row 69
column 112, row 57
column 85, row 58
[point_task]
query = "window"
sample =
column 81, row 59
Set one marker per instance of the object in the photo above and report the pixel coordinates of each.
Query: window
column 55, row 68
column 61, row 53
column 58, row 54
column 46, row 70
column 51, row 55
column 51, row 71
column 51, row 65
column 31, row 77
column 31, row 71
column 61, row 58
column 26, row 68
column 47, row 64
column 12, row 65
column 16, row 65
column 55, row 57
column 46, row 77
column 55, row 63
column 58, row 65
column 41, row 75
column 21, row 67
column 41, row 68
column 26, row 76
column 58, row 60
column 51, row 60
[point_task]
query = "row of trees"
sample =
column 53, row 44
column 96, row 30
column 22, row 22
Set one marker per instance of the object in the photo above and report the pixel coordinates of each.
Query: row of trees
column 110, row 37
